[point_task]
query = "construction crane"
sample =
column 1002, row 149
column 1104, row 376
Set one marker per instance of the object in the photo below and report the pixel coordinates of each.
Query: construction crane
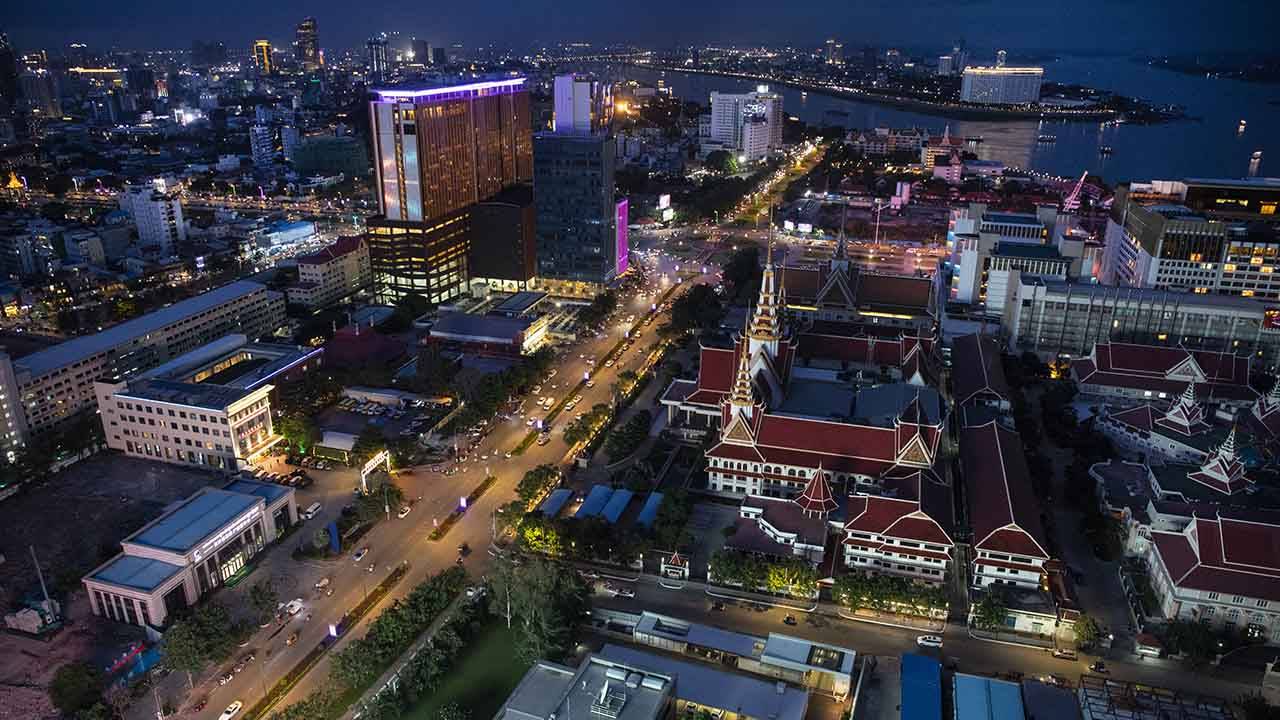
column 1071, row 203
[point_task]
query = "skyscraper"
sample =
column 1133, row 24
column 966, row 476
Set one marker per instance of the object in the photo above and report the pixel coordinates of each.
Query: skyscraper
column 262, row 145
column 573, row 190
column 583, row 105
column 40, row 91
column 438, row 151
column 8, row 73
column 834, row 52
column 376, row 58
column 731, row 113
column 156, row 209
column 1003, row 85
column 262, row 56
column 308, row 45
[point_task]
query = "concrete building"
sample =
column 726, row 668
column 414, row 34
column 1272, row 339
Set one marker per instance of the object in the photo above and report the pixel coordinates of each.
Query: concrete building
column 503, row 251
column 573, row 194
column 1227, row 244
column 187, row 423
column 332, row 274
column 583, row 105
column 41, row 390
column 731, row 113
column 1054, row 317
column 189, row 551
column 156, row 210
column 262, row 145
column 439, row 149
column 489, row 335
column 1001, row 85
column 290, row 141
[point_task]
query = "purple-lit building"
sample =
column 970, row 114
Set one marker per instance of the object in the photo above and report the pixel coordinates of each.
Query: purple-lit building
column 438, row 151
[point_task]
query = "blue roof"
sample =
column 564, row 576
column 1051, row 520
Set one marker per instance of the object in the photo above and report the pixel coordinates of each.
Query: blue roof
column 706, row 685
column 649, row 512
column 617, row 503
column 716, row 639
column 266, row 491
column 980, row 698
column 921, row 688
column 595, row 502
column 77, row 349
column 555, row 502
column 196, row 519
column 136, row 572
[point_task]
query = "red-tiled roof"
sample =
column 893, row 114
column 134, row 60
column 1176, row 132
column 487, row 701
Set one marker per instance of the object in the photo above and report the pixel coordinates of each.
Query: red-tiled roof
column 1148, row 368
column 893, row 291
column 716, row 370
column 344, row 245
column 976, row 368
column 1235, row 556
column 817, row 497
column 1002, row 505
column 1140, row 417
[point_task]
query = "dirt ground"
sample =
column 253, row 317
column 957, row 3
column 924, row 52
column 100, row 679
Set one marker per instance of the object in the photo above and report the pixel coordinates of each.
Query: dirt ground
column 75, row 521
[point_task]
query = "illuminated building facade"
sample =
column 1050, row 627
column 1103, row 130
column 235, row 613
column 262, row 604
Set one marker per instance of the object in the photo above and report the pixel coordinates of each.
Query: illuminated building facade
column 1001, row 85
column 439, row 150
column 308, row 45
column 262, row 56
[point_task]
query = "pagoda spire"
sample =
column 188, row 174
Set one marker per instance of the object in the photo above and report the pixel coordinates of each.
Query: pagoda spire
column 766, row 323
column 1274, row 395
column 741, row 397
column 1227, row 450
column 1189, row 395
column 817, row 498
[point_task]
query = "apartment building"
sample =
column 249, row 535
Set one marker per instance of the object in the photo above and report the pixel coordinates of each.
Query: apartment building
column 41, row 390
column 332, row 274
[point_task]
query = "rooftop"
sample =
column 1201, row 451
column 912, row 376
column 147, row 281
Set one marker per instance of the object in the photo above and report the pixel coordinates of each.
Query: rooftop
column 520, row 303
column 209, row 397
column 243, row 364
column 479, row 327
column 1253, row 182
column 921, row 688
column 598, row 688
column 1025, row 250
column 1011, row 219
column 426, row 92
column 198, row 517
column 81, row 348
column 136, row 572
column 982, row 698
column 267, row 491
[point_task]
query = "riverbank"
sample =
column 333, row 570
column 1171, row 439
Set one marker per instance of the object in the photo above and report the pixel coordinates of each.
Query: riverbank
column 945, row 110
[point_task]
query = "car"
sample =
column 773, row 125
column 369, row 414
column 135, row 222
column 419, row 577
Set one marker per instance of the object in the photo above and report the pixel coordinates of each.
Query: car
column 224, row 679
column 1066, row 654
column 232, row 710
column 404, row 510
column 322, row 583
column 294, row 606
column 507, row 456
column 789, row 620
column 717, row 606
column 1099, row 667
column 200, row 705
column 619, row 590
column 360, row 554
column 577, row 399
column 929, row 641
column 591, row 383
column 608, row 363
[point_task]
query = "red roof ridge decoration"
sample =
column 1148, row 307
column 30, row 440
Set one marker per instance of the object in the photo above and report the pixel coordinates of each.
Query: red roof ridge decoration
column 817, row 497
column 1223, row 471
column 1186, row 417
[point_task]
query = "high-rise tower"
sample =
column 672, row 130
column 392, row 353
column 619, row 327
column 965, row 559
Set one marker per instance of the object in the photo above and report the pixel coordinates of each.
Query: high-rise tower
column 308, row 45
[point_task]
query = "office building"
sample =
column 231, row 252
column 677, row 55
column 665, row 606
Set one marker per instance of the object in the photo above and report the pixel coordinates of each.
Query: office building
column 1054, row 317
column 834, row 53
column 573, row 189
column 262, row 57
column 332, row 274
column 625, row 683
column 328, row 155
column 1200, row 235
column 262, row 144
column 41, row 390
column 156, row 210
column 732, row 112
column 189, row 551
column 8, row 72
column 40, row 90
column 376, row 59
column 1001, row 85
column 307, row 46
column 439, row 151
column 504, row 244
column 492, row 335
column 290, row 140
column 583, row 105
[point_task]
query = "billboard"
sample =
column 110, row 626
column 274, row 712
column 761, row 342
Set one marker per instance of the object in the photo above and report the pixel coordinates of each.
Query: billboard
column 805, row 227
column 788, row 225
column 668, row 214
column 664, row 201
column 621, row 246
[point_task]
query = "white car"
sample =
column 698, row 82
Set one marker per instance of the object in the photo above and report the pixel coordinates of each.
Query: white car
column 294, row 607
column 231, row 710
column 929, row 641
column 404, row 510
column 360, row 554
column 591, row 383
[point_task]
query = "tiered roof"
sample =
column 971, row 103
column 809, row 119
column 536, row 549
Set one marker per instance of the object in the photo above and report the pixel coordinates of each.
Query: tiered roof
column 1223, row 472
column 1230, row 554
column 1163, row 369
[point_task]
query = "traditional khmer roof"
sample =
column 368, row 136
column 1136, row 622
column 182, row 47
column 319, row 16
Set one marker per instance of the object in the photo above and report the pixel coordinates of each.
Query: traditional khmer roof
column 817, row 498
column 1223, row 472
column 1003, row 509
column 1230, row 554
column 1162, row 369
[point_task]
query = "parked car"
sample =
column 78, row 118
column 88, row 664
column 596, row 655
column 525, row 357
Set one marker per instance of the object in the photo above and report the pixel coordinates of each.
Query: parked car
column 404, row 510
column 294, row 606
column 1066, row 654
column 232, row 710
column 929, row 641
column 360, row 554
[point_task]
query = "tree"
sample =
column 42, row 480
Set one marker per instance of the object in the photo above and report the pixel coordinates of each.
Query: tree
column 264, row 599
column 76, row 686
column 369, row 442
column 1254, row 706
column 320, row 538
column 743, row 273
column 1087, row 631
column 697, row 309
column 184, row 649
column 453, row 711
column 207, row 635
column 298, row 430
column 990, row 612
column 722, row 161
column 543, row 605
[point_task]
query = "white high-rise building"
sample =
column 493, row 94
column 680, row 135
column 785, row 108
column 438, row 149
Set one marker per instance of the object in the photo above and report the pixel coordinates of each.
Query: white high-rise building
column 263, row 146
column 583, row 105
column 1001, row 85
column 732, row 112
column 156, row 210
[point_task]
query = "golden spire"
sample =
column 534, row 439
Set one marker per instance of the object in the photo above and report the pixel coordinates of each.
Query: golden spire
column 742, row 395
column 766, row 323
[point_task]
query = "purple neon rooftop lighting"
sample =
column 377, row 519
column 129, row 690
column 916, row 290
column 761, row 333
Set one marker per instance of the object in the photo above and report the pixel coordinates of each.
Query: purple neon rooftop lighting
column 507, row 85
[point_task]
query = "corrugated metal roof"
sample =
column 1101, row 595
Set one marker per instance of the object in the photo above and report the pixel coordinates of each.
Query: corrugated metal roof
column 136, row 572
column 921, row 688
column 555, row 502
column 649, row 512
column 197, row 518
column 981, row 698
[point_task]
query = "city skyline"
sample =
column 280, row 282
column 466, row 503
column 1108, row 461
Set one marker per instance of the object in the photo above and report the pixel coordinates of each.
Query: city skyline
column 1092, row 26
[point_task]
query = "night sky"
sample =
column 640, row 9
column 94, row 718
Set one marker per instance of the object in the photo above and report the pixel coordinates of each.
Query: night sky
column 1126, row 26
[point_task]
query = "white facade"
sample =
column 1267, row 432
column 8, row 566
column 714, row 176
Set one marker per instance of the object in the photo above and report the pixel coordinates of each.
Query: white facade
column 582, row 105
column 1001, row 85
column 731, row 111
column 1003, row 568
column 755, row 139
column 163, row 422
column 332, row 274
column 157, row 213
column 263, row 146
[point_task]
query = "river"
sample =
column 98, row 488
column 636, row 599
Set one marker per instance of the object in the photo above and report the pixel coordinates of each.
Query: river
column 1206, row 144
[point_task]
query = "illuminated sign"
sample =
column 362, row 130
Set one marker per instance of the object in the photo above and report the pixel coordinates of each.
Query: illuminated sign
column 1271, row 318
column 664, row 201
column 375, row 461
column 212, row 544
column 805, row 227
column 788, row 225
column 668, row 215
column 622, row 246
